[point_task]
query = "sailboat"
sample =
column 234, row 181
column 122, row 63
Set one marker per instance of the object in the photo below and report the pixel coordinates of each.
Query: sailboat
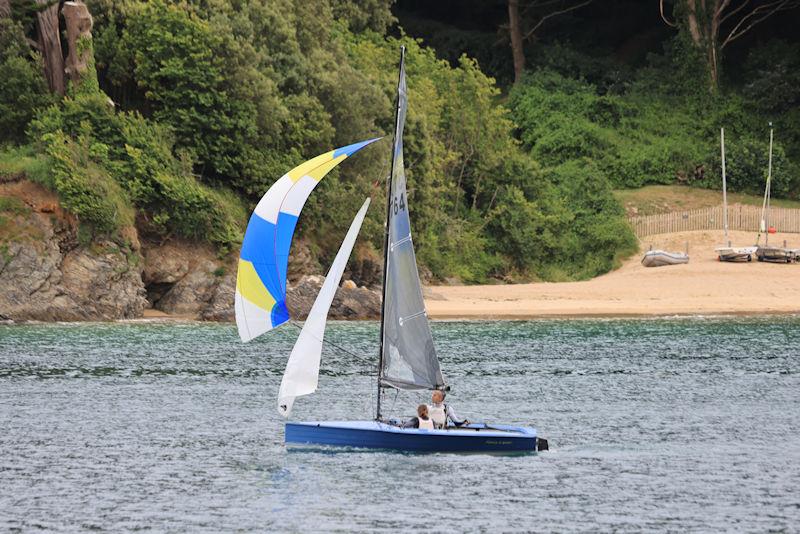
column 771, row 253
column 727, row 252
column 406, row 357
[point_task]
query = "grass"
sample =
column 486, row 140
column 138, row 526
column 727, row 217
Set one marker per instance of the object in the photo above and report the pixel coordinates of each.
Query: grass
column 654, row 199
column 24, row 161
column 13, row 205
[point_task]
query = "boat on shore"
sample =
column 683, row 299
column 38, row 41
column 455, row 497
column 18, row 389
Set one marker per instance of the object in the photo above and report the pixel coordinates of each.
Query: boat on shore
column 735, row 254
column 406, row 357
column 660, row 258
column 777, row 254
column 766, row 252
column 728, row 252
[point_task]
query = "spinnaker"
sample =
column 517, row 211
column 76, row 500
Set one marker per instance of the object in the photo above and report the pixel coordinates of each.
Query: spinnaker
column 261, row 277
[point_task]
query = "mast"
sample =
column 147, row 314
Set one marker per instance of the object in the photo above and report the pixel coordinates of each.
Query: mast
column 386, row 231
column 769, row 185
column 724, row 186
column 765, row 206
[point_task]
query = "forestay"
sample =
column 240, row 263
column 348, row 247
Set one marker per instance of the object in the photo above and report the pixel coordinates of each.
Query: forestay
column 408, row 359
column 261, row 278
column 302, row 370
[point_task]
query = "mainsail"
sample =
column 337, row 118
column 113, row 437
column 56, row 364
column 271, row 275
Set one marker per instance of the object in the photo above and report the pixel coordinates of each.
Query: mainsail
column 302, row 370
column 261, row 278
column 408, row 358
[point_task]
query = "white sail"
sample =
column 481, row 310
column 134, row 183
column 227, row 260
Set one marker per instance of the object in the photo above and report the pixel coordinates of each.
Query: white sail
column 302, row 370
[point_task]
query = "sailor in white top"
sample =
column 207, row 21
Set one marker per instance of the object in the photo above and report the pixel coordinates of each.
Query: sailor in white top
column 441, row 413
column 422, row 421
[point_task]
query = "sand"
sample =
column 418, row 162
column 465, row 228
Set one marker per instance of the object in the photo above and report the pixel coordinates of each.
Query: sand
column 704, row 286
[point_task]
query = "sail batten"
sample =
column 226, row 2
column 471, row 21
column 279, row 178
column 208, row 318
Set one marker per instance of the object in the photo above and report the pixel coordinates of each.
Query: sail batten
column 408, row 357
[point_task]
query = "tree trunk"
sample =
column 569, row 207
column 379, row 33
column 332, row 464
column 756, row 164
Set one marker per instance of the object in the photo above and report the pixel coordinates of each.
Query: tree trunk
column 703, row 24
column 80, row 59
column 694, row 26
column 5, row 8
column 515, row 29
column 50, row 43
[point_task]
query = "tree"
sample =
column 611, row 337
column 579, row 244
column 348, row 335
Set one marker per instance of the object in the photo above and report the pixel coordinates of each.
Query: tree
column 535, row 13
column 714, row 24
column 50, row 45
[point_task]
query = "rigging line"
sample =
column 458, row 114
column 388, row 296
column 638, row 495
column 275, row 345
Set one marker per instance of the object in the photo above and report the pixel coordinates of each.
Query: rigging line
column 396, row 393
column 331, row 343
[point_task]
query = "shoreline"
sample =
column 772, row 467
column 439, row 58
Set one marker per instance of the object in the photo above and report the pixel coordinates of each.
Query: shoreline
column 184, row 319
column 704, row 287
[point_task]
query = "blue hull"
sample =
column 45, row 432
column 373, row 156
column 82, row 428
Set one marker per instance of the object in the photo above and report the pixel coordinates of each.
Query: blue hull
column 376, row 435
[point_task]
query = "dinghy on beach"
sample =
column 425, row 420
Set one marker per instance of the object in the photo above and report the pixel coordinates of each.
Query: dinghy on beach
column 406, row 357
column 660, row 258
column 728, row 252
column 769, row 253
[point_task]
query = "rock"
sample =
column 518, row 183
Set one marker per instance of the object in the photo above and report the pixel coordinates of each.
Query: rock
column 44, row 276
column 301, row 262
column 366, row 268
column 349, row 284
column 190, row 294
column 349, row 303
column 300, row 297
column 358, row 303
column 220, row 304
column 165, row 264
column 184, row 278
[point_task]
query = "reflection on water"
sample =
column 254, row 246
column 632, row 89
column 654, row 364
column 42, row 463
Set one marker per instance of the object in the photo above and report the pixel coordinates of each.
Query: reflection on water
column 678, row 424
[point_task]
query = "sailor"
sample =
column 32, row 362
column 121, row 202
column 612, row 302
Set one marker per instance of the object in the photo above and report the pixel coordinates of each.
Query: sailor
column 421, row 420
column 441, row 413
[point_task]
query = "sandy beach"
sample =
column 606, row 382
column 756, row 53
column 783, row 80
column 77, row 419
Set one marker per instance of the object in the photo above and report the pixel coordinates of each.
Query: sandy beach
column 704, row 286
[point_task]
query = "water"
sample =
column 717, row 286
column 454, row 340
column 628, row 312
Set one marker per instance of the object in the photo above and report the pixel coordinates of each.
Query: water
column 677, row 424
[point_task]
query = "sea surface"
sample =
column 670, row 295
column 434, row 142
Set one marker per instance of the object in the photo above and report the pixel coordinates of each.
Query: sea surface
column 654, row 425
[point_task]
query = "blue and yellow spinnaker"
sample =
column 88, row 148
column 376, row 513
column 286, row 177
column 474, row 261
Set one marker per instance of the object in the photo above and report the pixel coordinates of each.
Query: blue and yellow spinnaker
column 261, row 278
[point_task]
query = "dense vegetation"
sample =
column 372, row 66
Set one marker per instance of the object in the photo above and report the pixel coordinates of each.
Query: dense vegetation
column 198, row 106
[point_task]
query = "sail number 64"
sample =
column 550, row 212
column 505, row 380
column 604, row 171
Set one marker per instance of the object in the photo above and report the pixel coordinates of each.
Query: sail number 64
column 399, row 205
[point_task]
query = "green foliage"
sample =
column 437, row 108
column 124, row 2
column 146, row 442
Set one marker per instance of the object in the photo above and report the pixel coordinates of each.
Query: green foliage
column 137, row 155
column 573, row 229
column 26, row 162
column 22, row 85
column 84, row 186
column 455, row 173
column 597, row 234
column 747, row 164
column 643, row 136
column 177, row 61
column 360, row 15
column 222, row 97
column 13, row 205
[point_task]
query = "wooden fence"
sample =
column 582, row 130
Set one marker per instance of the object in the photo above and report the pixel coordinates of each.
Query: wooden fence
column 740, row 217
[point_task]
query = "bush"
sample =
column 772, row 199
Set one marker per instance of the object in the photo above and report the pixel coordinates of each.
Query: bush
column 85, row 187
column 23, row 89
column 26, row 161
column 747, row 163
column 137, row 155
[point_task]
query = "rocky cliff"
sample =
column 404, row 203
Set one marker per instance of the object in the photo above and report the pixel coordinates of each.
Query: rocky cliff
column 48, row 273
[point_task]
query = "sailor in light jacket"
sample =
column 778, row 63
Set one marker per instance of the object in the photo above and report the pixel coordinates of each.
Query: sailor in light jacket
column 440, row 413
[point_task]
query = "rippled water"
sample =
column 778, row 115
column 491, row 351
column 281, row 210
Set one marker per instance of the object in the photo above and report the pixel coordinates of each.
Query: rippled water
column 681, row 424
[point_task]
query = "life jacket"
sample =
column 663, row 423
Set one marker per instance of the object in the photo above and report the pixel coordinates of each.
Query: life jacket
column 425, row 424
column 438, row 414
